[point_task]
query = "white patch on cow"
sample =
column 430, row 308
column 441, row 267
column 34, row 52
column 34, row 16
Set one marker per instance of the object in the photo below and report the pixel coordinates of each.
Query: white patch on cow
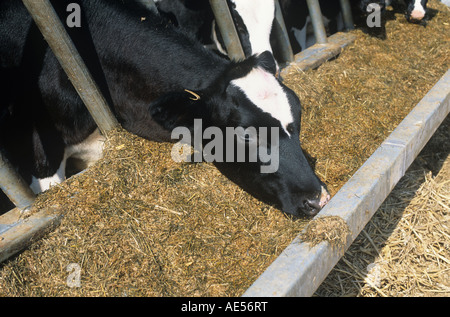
column 418, row 12
column 300, row 36
column 305, row 36
column 215, row 40
column 39, row 185
column 89, row 151
column 263, row 90
column 324, row 197
column 258, row 16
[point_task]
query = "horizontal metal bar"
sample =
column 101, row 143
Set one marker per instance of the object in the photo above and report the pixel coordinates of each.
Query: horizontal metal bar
column 14, row 186
column 18, row 233
column 317, row 54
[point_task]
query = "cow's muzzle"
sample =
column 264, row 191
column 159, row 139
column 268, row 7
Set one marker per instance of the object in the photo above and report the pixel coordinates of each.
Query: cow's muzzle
column 313, row 206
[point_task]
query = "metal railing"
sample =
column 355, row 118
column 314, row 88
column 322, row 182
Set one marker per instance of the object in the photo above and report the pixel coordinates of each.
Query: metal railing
column 231, row 39
column 59, row 41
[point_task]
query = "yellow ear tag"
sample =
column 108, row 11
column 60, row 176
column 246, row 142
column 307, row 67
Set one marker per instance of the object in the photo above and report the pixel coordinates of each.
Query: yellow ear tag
column 196, row 97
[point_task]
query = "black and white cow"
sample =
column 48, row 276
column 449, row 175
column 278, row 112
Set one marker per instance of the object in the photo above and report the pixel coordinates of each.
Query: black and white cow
column 194, row 16
column 253, row 21
column 416, row 10
column 299, row 23
column 148, row 72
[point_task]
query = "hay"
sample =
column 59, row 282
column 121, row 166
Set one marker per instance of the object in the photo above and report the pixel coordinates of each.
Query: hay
column 351, row 104
column 332, row 229
column 139, row 224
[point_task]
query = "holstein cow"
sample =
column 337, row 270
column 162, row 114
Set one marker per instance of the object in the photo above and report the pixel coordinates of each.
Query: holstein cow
column 253, row 21
column 416, row 10
column 299, row 24
column 156, row 78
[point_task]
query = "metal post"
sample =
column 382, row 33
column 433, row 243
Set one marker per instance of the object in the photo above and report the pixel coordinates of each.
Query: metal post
column 59, row 41
column 227, row 29
column 347, row 15
column 282, row 34
column 14, row 186
column 317, row 22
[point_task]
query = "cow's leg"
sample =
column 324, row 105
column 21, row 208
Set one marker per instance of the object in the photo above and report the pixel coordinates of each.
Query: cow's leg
column 88, row 152
column 302, row 34
column 48, row 160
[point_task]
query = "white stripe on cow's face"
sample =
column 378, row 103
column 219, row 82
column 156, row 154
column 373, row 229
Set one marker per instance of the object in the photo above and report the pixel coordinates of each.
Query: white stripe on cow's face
column 418, row 12
column 263, row 90
column 418, row 5
column 258, row 17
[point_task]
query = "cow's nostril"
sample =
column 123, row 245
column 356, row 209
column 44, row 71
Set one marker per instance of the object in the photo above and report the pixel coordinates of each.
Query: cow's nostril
column 417, row 15
column 315, row 204
column 311, row 207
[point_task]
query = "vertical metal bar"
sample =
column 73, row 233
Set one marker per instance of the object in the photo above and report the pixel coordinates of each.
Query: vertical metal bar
column 282, row 34
column 347, row 15
column 59, row 41
column 317, row 22
column 14, row 186
column 227, row 29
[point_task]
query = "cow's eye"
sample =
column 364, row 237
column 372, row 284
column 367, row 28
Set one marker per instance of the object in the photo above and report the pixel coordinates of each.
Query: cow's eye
column 290, row 128
column 246, row 138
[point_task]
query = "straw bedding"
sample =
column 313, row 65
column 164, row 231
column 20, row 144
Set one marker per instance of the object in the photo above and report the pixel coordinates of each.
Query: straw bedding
column 139, row 224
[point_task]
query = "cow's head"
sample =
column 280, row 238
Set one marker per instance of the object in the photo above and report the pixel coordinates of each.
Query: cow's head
column 253, row 21
column 265, row 117
column 416, row 10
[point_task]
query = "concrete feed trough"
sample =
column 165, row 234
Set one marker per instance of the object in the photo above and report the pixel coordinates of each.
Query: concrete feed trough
column 300, row 269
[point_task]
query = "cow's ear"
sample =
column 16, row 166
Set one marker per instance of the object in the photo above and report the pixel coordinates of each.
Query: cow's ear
column 266, row 61
column 178, row 109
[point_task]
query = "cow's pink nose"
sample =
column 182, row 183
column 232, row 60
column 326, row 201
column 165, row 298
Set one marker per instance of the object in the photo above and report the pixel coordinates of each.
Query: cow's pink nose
column 417, row 15
column 324, row 197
